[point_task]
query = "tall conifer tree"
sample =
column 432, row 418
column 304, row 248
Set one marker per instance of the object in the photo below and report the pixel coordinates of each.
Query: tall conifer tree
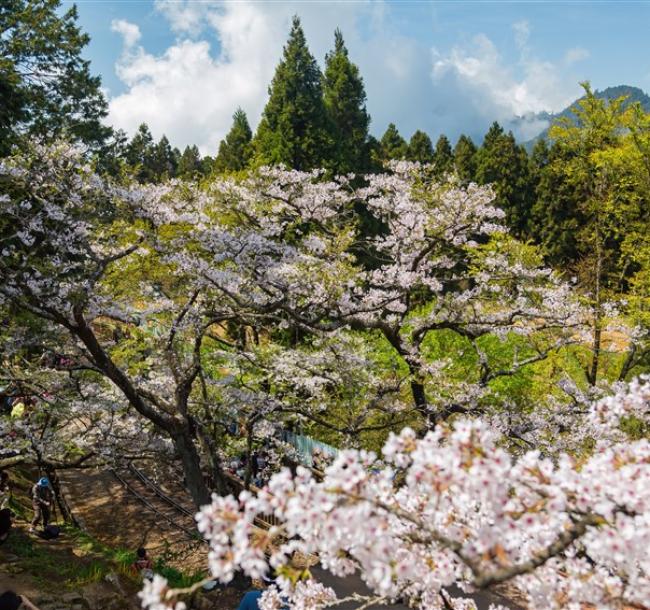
column 393, row 145
column 443, row 156
column 420, row 148
column 293, row 129
column 504, row 164
column 141, row 153
column 345, row 105
column 465, row 159
column 189, row 165
column 235, row 150
column 556, row 216
column 46, row 88
column 374, row 154
column 164, row 161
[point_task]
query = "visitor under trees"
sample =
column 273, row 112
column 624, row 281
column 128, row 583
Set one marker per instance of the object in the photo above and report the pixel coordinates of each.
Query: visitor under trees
column 42, row 503
column 387, row 298
column 448, row 279
column 10, row 601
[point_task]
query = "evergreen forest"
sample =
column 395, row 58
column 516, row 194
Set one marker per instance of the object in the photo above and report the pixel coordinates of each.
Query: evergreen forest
column 423, row 364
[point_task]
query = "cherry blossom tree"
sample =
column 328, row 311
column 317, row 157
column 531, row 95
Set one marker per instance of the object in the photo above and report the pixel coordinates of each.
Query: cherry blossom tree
column 451, row 509
column 285, row 249
column 164, row 290
column 156, row 316
column 70, row 246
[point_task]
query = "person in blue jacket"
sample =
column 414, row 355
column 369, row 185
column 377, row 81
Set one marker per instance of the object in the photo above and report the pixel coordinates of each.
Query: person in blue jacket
column 251, row 599
column 42, row 500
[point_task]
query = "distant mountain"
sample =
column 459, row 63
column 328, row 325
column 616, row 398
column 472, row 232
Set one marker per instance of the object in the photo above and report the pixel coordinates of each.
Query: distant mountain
column 634, row 94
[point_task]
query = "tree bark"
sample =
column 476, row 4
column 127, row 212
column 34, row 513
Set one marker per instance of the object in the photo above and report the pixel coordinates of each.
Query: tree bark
column 249, row 455
column 592, row 374
column 59, row 498
column 221, row 486
column 179, row 431
column 184, row 445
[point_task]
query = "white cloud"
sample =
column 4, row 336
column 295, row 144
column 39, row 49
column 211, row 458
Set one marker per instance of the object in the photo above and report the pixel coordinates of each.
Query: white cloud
column 130, row 32
column 501, row 91
column 184, row 17
column 225, row 55
column 522, row 33
column 189, row 93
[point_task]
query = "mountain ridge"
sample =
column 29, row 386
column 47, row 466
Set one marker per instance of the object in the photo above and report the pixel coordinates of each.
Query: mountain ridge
column 634, row 94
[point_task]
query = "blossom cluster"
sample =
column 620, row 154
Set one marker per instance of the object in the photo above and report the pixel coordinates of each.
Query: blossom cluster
column 145, row 281
column 454, row 508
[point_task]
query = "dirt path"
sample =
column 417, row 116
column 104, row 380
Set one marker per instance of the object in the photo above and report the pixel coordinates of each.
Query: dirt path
column 113, row 515
column 19, row 583
column 47, row 573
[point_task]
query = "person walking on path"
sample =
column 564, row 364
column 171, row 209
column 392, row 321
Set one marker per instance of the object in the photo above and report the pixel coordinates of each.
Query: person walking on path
column 42, row 499
column 10, row 601
column 5, row 490
column 251, row 599
column 143, row 566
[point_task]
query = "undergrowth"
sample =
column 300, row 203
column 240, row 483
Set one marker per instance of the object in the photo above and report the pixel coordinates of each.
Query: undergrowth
column 76, row 559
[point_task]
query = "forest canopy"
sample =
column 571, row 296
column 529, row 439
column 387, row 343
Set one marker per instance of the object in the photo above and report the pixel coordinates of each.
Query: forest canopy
column 466, row 324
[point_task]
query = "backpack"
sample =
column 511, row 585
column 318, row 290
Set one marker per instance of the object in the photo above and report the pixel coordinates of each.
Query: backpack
column 50, row 532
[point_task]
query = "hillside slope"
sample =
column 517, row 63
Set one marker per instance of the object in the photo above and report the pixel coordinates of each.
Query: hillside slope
column 632, row 94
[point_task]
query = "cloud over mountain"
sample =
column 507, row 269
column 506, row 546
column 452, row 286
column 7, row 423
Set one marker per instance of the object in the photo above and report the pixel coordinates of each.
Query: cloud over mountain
column 224, row 56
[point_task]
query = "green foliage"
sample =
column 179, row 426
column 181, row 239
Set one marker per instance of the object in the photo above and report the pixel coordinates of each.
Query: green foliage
column 555, row 215
column 235, row 150
column 91, row 561
column 591, row 189
column 503, row 164
column 465, row 159
column 141, row 154
column 164, row 160
column 293, row 129
column 46, row 88
column 420, row 148
column 635, row 428
column 374, row 154
column 45, row 563
column 443, row 156
column 392, row 144
column 177, row 578
column 344, row 97
column 189, row 165
column 111, row 159
column 592, row 215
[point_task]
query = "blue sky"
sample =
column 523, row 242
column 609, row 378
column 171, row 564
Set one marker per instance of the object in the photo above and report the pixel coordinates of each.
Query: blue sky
column 445, row 67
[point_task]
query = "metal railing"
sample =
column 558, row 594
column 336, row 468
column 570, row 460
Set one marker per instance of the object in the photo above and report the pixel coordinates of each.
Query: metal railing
column 194, row 535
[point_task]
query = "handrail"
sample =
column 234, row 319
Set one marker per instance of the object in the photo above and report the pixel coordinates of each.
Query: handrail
column 155, row 489
column 265, row 521
column 193, row 535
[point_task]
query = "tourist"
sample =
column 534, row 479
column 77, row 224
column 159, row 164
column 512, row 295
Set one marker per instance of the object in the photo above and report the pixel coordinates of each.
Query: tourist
column 5, row 524
column 143, row 564
column 6, row 401
column 5, row 490
column 42, row 500
column 10, row 601
column 242, row 466
column 250, row 601
column 260, row 475
column 18, row 408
